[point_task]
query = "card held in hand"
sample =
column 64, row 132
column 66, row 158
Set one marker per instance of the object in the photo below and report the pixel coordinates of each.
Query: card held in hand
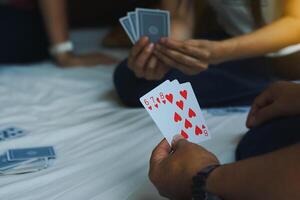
column 175, row 110
column 152, row 23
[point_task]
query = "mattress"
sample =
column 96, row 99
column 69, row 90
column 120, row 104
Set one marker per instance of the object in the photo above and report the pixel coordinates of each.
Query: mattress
column 102, row 147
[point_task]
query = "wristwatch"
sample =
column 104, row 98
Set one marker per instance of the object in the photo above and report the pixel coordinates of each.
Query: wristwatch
column 199, row 184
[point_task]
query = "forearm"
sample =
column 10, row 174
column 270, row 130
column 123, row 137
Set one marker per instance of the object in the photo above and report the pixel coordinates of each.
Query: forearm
column 271, row 38
column 274, row 176
column 56, row 21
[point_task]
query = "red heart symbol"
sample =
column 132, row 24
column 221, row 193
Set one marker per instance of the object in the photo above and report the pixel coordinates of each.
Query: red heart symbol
column 156, row 105
column 164, row 101
column 169, row 97
column 187, row 124
column 150, row 107
column 183, row 93
column 191, row 113
column 184, row 134
column 177, row 117
column 180, row 104
column 158, row 100
column 203, row 127
column 198, row 131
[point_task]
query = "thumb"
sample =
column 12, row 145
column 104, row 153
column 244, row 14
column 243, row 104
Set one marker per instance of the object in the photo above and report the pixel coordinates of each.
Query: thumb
column 160, row 153
column 266, row 114
column 178, row 142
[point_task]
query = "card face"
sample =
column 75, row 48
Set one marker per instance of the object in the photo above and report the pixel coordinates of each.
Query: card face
column 29, row 153
column 159, row 104
column 193, row 125
column 175, row 110
column 152, row 23
column 128, row 29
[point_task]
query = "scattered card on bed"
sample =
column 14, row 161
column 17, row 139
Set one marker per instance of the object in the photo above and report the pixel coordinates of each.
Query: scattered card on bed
column 11, row 133
column 30, row 153
column 153, row 23
column 175, row 110
column 19, row 161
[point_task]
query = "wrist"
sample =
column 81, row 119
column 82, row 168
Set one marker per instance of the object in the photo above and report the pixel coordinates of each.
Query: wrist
column 61, row 48
column 223, row 51
column 199, row 189
column 216, row 181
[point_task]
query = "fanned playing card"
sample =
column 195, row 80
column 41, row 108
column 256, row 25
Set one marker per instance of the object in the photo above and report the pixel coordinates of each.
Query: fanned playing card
column 153, row 23
column 175, row 110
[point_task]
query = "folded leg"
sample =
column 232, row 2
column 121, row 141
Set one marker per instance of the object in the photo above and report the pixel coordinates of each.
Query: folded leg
column 269, row 137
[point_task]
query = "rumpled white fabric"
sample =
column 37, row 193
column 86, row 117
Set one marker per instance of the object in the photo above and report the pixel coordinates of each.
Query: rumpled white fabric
column 102, row 147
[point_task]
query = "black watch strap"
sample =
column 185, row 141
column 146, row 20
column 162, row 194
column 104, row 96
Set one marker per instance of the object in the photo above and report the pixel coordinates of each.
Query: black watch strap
column 199, row 184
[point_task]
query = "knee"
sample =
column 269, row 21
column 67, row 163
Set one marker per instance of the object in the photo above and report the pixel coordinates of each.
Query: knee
column 268, row 138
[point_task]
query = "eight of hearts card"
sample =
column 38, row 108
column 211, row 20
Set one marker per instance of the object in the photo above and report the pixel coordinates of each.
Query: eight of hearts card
column 175, row 110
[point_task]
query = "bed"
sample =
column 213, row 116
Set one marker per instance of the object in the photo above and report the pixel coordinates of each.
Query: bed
column 102, row 147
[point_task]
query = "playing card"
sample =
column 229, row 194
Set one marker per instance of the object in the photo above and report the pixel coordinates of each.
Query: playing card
column 128, row 28
column 152, row 23
column 158, row 104
column 29, row 153
column 11, row 133
column 26, row 167
column 5, row 164
column 188, row 113
column 132, row 20
column 175, row 110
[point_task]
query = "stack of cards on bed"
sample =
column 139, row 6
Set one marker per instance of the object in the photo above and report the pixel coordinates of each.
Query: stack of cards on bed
column 11, row 133
column 146, row 22
column 175, row 110
column 18, row 161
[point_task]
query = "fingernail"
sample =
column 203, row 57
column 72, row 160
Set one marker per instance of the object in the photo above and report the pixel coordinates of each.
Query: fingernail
column 176, row 138
column 150, row 46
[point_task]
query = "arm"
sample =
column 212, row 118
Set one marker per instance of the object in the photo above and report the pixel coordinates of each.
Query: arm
column 194, row 56
column 56, row 22
column 279, row 34
column 274, row 176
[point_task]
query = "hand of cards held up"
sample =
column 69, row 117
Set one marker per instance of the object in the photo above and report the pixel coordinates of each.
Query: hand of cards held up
column 175, row 110
column 152, row 23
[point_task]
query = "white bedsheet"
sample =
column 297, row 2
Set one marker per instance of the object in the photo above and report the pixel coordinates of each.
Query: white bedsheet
column 102, row 148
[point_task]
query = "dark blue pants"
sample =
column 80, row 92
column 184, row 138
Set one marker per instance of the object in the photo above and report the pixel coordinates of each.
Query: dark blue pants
column 22, row 36
column 270, row 137
column 234, row 83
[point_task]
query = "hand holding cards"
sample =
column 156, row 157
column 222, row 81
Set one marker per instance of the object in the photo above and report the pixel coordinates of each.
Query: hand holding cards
column 175, row 110
column 152, row 23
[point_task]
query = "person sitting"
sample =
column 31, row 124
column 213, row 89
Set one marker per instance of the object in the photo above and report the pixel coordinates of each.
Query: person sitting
column 226, row 68
column 268, row 157
column 30, row 27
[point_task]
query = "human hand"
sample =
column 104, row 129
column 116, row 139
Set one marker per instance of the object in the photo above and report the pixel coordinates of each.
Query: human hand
column 72, row 60
column 279, row 100
column 142, row 62
column 172, row 173
column 190, row 56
